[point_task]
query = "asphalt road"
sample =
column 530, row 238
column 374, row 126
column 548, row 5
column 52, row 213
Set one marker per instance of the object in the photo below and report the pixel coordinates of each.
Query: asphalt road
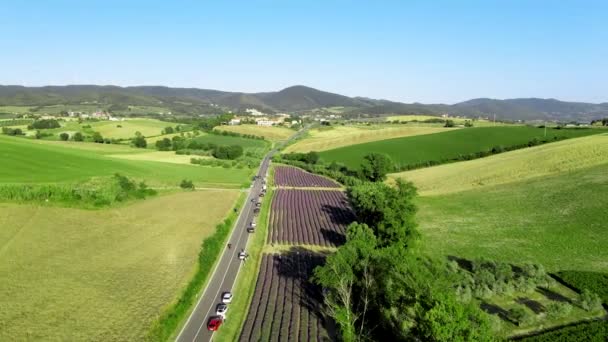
column 226, row 271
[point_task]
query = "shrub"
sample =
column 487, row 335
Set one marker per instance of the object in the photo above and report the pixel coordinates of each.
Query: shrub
column 12, row 131
column 589, row 301
column 140, row 142
column 97, row 138
column 78, row 136
column 44, row 124
column 186, row 185
column 521, row 315
column 556, row 310
column 449, row 123
column 587, row 331
column 64, row 136
column 228, row 152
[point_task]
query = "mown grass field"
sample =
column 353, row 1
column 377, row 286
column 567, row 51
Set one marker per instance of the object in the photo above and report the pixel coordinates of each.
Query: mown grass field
column 458, row 121
column 73, row 274
column 269, row 133
column 327, row 138
column 28, row 161
column 551, row 212
column 446, row 145
column 549, row 159
column 147, row 127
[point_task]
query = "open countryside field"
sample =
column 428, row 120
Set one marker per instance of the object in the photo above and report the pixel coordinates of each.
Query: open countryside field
column 72, row 274
column 555, row 217
column 228, row 140
column 28, row 161
column 327, row 138
column 447, row 145
column 147, row 127
column 458, row 121
column 269, row 133
column 550, row 159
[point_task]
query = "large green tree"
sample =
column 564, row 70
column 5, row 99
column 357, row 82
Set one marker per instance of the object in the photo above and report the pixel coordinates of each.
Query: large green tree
column 389, row 211
column 376, row 166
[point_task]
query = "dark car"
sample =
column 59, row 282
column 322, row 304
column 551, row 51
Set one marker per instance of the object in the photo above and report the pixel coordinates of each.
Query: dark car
column 214, row 323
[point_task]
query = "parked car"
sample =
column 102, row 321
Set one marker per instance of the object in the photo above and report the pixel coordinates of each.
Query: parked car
column 226, row 297
column 214, row 323
column 221, row 310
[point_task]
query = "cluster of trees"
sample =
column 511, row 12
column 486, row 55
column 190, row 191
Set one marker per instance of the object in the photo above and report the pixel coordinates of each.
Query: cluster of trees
column 44, row 124
column 586, row 331
column 377, row 286
column 308, row 158
column 488, row 278
column 228, row 152
column 186, row 184
column 139, row 141
column 235, row 134
column 603, row 122
column 12, row 131
column 128, row 188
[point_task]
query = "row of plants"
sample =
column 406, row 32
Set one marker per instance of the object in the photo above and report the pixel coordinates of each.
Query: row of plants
column 594, row 331
column 95, row 193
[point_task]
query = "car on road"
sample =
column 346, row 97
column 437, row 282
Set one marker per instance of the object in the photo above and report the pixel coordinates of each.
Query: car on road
column 226, row 297
column 252, row 224
column 243, row 255
column 221, row 310
column 214, row 323
column 261, row 194
column 250, row 230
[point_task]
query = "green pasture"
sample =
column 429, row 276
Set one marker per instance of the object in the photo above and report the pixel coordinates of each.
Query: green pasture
column 28, row 161
column 557, row 220
column 447, row 145
column 100, row 275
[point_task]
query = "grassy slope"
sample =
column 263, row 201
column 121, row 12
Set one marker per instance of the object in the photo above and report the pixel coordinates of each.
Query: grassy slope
column 410, row 150
column 321, row 139
column 270, row 133
column 74, row 274
column 545, row 160
column 147, row 127
column 25, row 161
column 556, row 220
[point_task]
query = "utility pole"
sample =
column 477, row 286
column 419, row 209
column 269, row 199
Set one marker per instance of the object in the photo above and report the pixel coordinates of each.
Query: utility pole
column 545, row 128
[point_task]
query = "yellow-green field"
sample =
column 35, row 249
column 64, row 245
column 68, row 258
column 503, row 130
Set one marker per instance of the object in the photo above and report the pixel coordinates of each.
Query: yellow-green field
column 321, row 139
column 147, row 127
column 158, row 156
column 458, row 121
column 545, row 204
column 102, row 275
column 545, row 160
column 270, row 133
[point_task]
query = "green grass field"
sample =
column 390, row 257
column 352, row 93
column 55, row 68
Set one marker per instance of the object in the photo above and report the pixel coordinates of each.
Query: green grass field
column 554, row 214
column 447, row 145
column 100, row 275
column 327, row 138
column 28, row 161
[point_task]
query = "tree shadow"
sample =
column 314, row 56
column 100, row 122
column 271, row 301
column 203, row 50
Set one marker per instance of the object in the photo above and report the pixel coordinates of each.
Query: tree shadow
column 334, row 238
column 535, row 306
column 494, row 309
column 463, row 263
column 553, row 295
column 340, row 215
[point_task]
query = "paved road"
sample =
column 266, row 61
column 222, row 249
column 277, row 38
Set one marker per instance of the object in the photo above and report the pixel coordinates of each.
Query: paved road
column 227, row 269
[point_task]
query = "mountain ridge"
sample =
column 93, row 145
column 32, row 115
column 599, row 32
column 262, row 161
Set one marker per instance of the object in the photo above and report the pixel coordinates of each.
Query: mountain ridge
column 295, row 99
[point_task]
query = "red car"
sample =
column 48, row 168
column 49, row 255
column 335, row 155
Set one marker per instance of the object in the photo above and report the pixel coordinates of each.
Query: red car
column 214, row 323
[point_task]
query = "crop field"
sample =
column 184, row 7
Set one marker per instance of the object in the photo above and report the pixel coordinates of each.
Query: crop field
column 557, row 220
column 327, row 138
column 309, row 217
column 247, row 144
column 269, row 133
column 286, row 306
column 546, row 160
column 29, row 161
column 447, row 145
column 294, row 177
column 128, row 128
column 103, row 275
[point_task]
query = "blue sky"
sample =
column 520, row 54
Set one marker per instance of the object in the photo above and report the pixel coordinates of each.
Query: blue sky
column 411, row 51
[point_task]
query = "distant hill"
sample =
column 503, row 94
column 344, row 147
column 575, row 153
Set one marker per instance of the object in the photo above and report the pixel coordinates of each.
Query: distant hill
column 293, row 99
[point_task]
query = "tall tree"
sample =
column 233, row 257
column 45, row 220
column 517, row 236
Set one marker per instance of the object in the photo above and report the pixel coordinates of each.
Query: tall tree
column 376, row 166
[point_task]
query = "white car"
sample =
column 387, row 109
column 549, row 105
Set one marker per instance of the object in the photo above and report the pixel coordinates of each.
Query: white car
column 242, row 255
column 253, row 224
column 226, row 297
column 221, row 310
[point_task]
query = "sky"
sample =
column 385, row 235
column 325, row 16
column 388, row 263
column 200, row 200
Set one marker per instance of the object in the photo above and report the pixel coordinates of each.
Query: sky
column 409, row 51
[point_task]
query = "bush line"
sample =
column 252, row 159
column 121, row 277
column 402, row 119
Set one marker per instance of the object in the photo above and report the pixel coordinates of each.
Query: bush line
column 170, row 319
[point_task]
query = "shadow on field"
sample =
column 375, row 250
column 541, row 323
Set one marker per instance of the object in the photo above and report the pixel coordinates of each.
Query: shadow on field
column 339, row 214
column 535, row 306
column 334, row 238
column 463, row 263
column 298, row 264
column 553, row 295
column 493, row 309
